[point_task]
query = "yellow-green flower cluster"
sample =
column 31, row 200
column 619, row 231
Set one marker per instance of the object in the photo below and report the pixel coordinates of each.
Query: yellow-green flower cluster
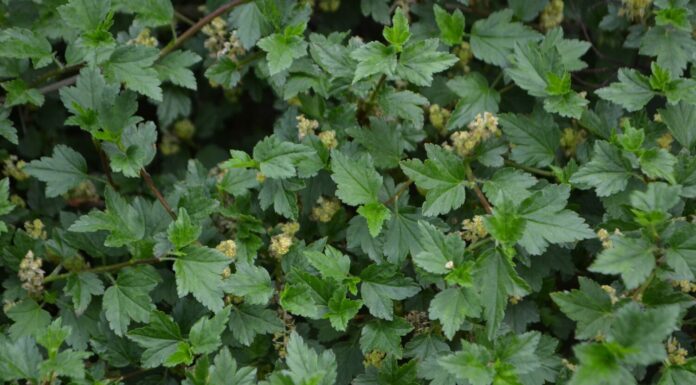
column 676, row 355
column 611, row 292
column 571, row 139
column 481, row 128
column 281, row 243
column 305, row 126
column 35, row 229
column 144, row 38
column 328, row 139
column 325, row 209
column 86, row 191
column 635, row 9
column 374, row 358
column 228, row 247
column 329, row 5
column 665, row 141
column 465, row 55
column 30, row 274
column 221, row 43
column 169, row 145
column 184, row 129
column 604, row 237
column 552, row 15
column 474, row 229
column 438, row 117
column 14, row 167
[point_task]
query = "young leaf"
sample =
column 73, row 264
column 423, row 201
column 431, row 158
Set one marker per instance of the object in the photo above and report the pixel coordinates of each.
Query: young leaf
column 451, row 25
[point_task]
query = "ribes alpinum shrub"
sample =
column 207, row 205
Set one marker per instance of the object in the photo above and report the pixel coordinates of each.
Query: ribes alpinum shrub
column 368, row 192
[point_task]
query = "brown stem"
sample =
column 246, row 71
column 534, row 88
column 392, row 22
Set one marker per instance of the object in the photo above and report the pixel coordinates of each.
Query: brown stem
column 398, row 192
column 104, row 269
column 477, row 190
column 151, row 184
column 174, row 44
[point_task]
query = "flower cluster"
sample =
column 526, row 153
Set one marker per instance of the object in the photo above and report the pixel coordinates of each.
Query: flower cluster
column 328, row 139
column 228, row 247
column 305, row 126
column 325, row 209
column 144, row 38
column 30, row 274
column 465, row 55
column 552, row 15
column 676, row 355
column 281, row 243
column 35, row 229
column 474, row 229
column 571, row 139
column 481, row 128
column 635, row 9
column 221, row 43
column 184, row 129
column 438, row 117
column 14, row 167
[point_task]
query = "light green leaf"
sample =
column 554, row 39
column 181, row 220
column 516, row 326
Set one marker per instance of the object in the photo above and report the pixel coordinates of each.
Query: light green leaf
column 535, row 137
column 199, row 272
column 356, row 178
column 452, row 306
column 251, row 282
column 476, row 97
column 380, row 286
column 632, row 91
column 632, row 258
column 420, row 60
column 174, row 68
column 384, row 336
column 589, row 306
column 205, row 333
column 132, row 65
column 282, row 50
column 451, row 25
column 129, row 298
column 493, row 38
column 65, row 169
column 81, row 287
column 162, row 341
column 608, row 171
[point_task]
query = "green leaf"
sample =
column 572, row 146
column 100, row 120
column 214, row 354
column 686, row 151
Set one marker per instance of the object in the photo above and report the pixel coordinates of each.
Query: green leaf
column 403, row 104
column 66, row 363
column 374, row 58
column 342, row 310
column 81, row 287
column 673, row 48
column 225, row 371
column 152, row 12
column 632, row 91
column 451, row 25
column 28, row 318
column 420, row 60
column 535, row 137
column 398, row 34
column 132, row 66
column 205, row 333
column 280, row 159
column 632, row 258
column 508, row 182
column 331, row 264
column 589, row 306
column 183, row 231
column 493, row 38
column 282, row 49
column 19, row 92
column 438, row 249
column 129, row 298
column 679, row 119
column 497, row 280
column 681, row 253
column 251, row 282
column 162, row 342
column 641, row 332
column 22, row 43
column 174, row 68
column 224, row 72
column 600, row 366
column 136, row 151
column 120, row 219
column 476, row 97
column 375, row 214
column 442, row 175
column 384, row 336
column 356, row 178
column 250, row 23
column 380, row 286
column 305, row 366
column 85, row 15
column 65, row 169
column 471, row 363
column 19, row 359
column 7, row 129
column 248, row 321
column 452, row 306
column 548, row 221
column 608, row 171
column 658, row 163
column 199, row 272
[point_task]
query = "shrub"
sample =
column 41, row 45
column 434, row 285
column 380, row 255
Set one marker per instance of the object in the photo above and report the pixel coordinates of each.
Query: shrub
column 332, row 192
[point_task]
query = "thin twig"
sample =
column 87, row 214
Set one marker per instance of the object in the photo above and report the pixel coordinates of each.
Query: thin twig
column 398, row 192
column 151, row 184
column 533, row 170
column 104, row 269
column 482, row 198
column 104, row 163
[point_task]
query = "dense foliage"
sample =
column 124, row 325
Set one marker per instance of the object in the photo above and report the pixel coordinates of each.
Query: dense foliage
column 375, row 192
